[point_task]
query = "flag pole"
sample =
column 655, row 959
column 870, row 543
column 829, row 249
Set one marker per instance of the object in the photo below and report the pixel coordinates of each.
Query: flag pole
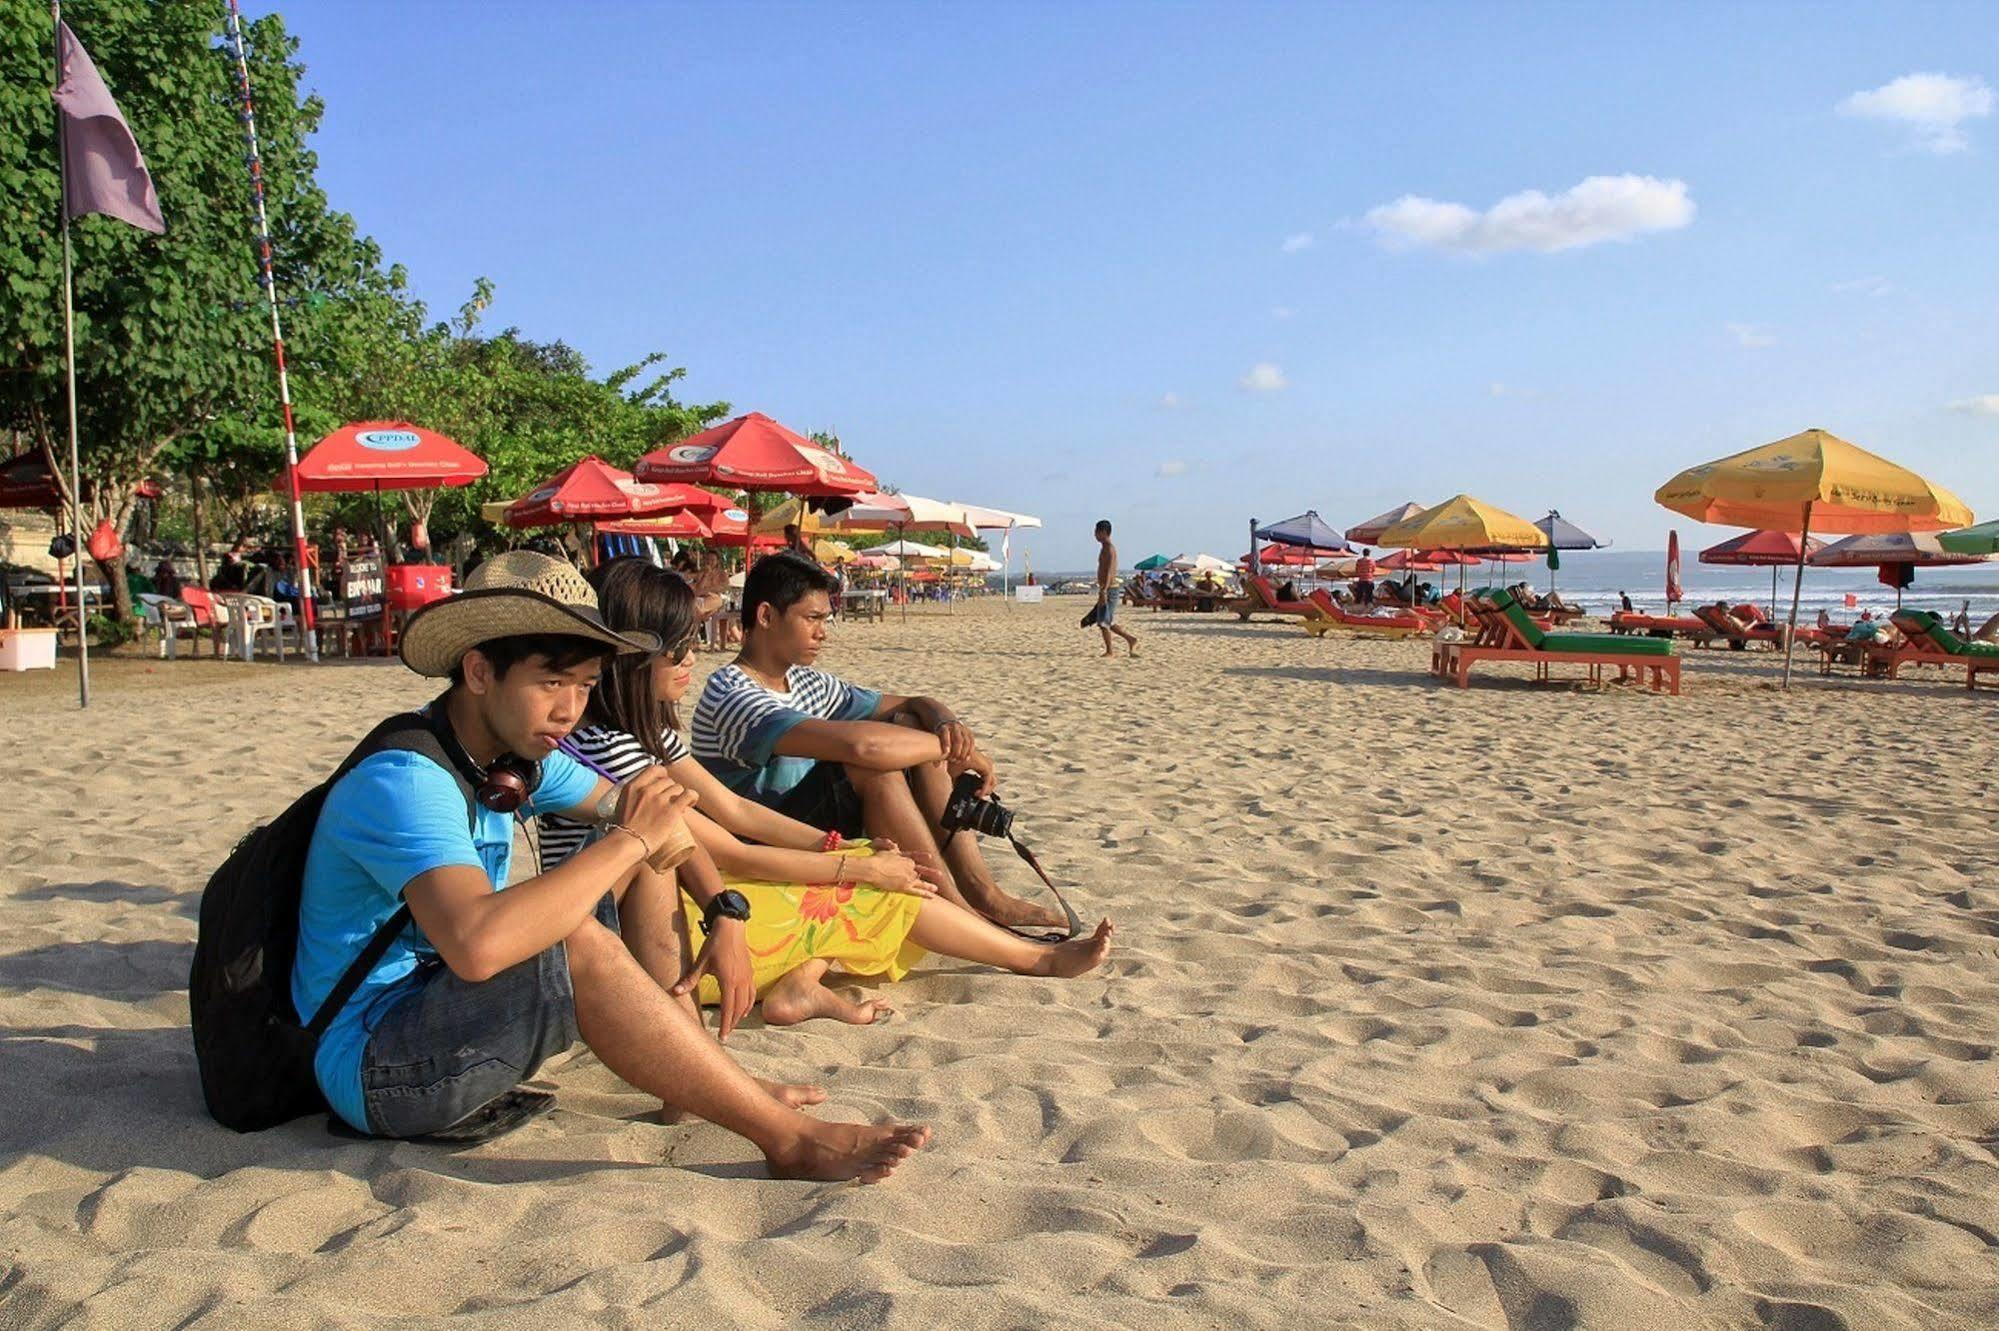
column 270, row 284
column 69, row 366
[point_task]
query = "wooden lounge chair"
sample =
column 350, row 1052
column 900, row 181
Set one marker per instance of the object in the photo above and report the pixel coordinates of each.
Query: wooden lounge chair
column 1926, row 640
column 1508, row 633
column 1259, row 597
column 1332, row 615
column 1694, row 629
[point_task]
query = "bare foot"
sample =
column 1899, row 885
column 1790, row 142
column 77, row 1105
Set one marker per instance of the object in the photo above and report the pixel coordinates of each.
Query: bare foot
column 800, row 997
column 1109, row 652
column 848, row 1151
column 1078, row 956
column 1013, row 913
column 794, row 1095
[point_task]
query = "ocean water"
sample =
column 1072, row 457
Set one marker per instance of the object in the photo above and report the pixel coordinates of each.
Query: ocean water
column 1593, row 578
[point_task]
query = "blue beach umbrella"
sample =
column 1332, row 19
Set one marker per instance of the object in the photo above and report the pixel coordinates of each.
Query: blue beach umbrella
column 1564, row 535
column 1305, row 529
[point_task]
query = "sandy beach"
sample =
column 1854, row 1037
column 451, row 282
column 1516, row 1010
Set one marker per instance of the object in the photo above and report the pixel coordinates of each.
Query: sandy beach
column 1516, row 1007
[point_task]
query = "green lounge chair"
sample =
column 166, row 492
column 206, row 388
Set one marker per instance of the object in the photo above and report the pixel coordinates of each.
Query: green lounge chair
column 1529, row 642
column 1978, row 657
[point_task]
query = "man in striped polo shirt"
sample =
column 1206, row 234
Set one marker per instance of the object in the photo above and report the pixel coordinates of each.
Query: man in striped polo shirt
column 836, row 755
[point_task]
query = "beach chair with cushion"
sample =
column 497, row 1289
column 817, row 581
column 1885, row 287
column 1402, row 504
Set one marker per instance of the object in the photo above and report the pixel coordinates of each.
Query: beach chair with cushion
column 1693, row 629
column 1260, row 597
column 1330, row 614
column 1926, row 640
column 1519, row 638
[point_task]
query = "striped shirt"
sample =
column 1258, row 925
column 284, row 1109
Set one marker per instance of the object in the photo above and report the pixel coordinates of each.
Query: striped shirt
column 738, row 723
column 613, row 755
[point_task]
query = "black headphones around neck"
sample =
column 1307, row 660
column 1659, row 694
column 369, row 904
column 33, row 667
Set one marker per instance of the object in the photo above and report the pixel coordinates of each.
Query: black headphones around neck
column 503, row 786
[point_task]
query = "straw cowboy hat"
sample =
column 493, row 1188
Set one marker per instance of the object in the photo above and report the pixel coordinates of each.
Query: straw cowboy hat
column 515, row 594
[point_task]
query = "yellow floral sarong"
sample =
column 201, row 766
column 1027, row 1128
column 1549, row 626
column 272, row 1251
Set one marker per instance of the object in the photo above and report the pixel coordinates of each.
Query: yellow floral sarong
column 864, row 930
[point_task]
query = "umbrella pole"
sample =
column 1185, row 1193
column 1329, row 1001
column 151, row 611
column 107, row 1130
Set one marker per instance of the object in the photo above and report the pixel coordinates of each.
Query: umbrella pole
column 385, row 537
column 1797, row 590
column 904, row 570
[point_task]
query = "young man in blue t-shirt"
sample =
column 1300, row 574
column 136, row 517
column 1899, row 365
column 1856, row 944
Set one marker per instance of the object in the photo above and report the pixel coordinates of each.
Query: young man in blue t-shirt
column 836, row 755
column 490, row 979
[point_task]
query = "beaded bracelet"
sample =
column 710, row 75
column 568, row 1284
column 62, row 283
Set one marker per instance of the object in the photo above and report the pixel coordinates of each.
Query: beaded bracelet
column 831, row 843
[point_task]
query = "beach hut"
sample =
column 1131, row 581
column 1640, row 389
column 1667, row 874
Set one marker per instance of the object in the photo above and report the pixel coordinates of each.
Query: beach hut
column 1812, row 479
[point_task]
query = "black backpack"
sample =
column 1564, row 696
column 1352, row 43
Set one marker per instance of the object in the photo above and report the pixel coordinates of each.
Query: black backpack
column 254, row 1053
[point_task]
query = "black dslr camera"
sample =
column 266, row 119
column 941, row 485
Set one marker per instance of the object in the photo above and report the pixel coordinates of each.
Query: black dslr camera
column 966, row 811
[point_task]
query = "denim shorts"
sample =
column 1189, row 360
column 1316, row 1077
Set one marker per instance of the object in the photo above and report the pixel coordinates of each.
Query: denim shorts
column 453, row 1045
column 1108, row 615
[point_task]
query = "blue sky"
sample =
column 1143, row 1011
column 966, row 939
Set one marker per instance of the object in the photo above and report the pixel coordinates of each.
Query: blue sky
column 1033, row 255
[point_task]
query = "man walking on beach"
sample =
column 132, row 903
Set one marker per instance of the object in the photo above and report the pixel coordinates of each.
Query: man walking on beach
column 1108, row 592
column 486, row 980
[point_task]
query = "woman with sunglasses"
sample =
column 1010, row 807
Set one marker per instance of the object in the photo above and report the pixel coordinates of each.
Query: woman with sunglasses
column 815, row 901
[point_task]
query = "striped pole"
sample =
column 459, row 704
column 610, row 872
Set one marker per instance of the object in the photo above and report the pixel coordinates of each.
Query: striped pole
column 269, row 280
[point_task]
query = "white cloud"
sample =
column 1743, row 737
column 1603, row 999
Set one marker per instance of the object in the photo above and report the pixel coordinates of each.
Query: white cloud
column 1751, row 335
column 1297, row 240
column 1865, row 286
column 1598, row 209
column 1264, row 377
column 1173, row 467
column 1172, row 402
column 1497, row 389
column 1281, row 311
column 1933, row 106
column 1983, row 404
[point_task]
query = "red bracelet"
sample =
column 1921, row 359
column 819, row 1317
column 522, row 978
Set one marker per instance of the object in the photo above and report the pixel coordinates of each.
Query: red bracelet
column 831, row 843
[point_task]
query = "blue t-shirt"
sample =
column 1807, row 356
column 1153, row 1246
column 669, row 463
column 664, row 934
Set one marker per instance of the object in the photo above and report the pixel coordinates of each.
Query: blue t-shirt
column 738, row 722
column 395, row 816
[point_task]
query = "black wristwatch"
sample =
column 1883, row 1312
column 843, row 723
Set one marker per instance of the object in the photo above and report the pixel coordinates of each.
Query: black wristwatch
column 728, row 905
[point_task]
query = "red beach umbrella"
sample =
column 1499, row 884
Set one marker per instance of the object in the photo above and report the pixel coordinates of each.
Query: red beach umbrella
column 1758, row 549
column 593, row 489
column 754, row 452
column 386, row 455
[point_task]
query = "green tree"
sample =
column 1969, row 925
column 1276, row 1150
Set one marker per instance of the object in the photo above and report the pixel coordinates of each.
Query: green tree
column 174, row 371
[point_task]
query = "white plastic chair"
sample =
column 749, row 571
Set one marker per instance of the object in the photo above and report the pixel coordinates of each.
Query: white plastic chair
column 169, row 618
column 249, row 616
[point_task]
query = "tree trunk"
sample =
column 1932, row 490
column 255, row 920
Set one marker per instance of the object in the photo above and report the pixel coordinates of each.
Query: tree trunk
column 200, row 536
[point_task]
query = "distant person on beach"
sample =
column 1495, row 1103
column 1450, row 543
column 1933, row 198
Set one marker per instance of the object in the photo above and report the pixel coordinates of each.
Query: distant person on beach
column 1624, row 601
column 490, row 980
column 795, row 542
column 1960, row 623
column 1108, row 592
column 836, row 755
column 816, row 900
column 1363, row 578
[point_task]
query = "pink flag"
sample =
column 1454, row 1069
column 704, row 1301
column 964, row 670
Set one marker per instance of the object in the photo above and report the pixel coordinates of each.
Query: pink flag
column 102, row 170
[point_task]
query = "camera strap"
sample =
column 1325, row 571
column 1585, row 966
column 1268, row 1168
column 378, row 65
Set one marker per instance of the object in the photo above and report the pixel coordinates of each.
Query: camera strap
column 1075, row 923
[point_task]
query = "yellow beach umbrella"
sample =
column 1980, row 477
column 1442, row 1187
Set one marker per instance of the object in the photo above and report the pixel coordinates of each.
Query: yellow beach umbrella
column 793, row 510
column 1812, row 481
column 1463, row 523
column 833, row 552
